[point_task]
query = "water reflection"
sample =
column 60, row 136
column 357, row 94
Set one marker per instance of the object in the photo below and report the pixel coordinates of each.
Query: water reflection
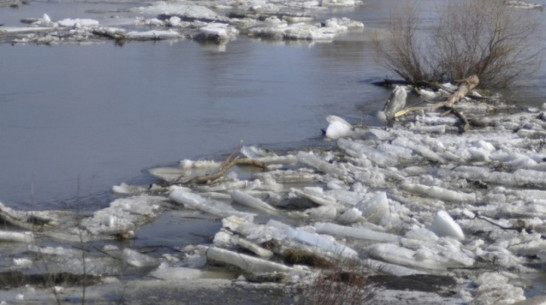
column 80, row 119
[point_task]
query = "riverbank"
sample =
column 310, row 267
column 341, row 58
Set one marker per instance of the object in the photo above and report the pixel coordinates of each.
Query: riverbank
column 415, row 201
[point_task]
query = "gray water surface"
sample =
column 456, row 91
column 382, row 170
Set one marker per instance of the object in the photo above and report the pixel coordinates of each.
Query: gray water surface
column 74, row 120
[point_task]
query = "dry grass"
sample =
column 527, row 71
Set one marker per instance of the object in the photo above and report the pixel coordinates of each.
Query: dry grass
column 482, row 37
column 301, row 257
column 342, row 284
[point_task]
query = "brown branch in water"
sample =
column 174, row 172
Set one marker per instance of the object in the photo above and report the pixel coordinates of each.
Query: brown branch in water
column 252, row 162
column 466, row 86
column 230, row 161
column 464, row 122
column 496, row 224
column 223, row 169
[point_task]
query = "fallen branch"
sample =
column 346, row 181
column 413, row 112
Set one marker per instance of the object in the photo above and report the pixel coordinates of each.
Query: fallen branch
column 251, row 162
column 230, row 161
column 505, row 228
column 466, row 86
column 464, row 122
column 223, row 169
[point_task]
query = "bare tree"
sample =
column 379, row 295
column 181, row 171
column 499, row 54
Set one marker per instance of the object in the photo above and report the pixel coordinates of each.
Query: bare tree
column 481, row 37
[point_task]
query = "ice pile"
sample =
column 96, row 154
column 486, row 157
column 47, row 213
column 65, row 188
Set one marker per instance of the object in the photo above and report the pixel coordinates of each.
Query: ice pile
column 402, row 202
column 124, row 215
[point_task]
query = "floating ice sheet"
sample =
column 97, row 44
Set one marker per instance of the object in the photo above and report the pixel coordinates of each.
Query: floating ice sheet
column 245, row 262
column 252, row 202
column 355, row 232
column 179, row 9
column 214, row 207
column 124, row 215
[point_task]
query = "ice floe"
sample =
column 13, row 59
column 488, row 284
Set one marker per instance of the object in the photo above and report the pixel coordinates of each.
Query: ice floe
column 124, row 215
column 444, row 225
column 205, row 21
column 338, row 127
column 74, row 23
column 215, row 31
column 523, row 4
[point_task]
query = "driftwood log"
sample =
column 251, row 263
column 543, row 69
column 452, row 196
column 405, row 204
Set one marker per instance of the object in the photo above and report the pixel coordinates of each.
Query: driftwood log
column 465, row 87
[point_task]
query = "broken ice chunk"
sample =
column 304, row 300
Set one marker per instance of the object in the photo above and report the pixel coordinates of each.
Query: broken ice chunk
column 359, row 233
column 77, row 23
column 227, row 239
column 338, row 127
column 217, row 32
column 245, row 262
column 31, row 220
column 183, row 10
column 351, row 215
column 124, row 214
column 254, row 248
column 444, row 225
column 497, row 285
column 402, row 256
column 315, row 194
column 419, row 148
column 322, row 212
column 367, row 151
column 438, row 192
column 174, row 21
column 172, row 274
column 338, row 2
column 214, row 207
column 317, row 163
column 19, row 237
column 125, row 188
column 326, row 243
column 137, row 259
column 252, row 202
column 375, row 208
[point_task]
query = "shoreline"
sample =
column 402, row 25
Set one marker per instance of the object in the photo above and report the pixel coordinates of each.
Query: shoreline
column 373, row 197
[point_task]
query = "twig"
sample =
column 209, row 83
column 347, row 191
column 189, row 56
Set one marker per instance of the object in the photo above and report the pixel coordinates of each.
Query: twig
column 468, row 84
column 226, row 165
column 230, row 161
column 417, row 108
column 252, row 162
column 464, row 122
column 223, row 169
column 496, row 224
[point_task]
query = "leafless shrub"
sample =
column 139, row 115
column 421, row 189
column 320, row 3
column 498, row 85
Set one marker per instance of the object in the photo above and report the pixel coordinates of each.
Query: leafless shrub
column 302, row 257
column 401, row 49
column 482, row 37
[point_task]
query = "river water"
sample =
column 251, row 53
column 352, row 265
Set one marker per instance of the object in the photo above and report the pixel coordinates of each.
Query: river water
column 75, row 120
